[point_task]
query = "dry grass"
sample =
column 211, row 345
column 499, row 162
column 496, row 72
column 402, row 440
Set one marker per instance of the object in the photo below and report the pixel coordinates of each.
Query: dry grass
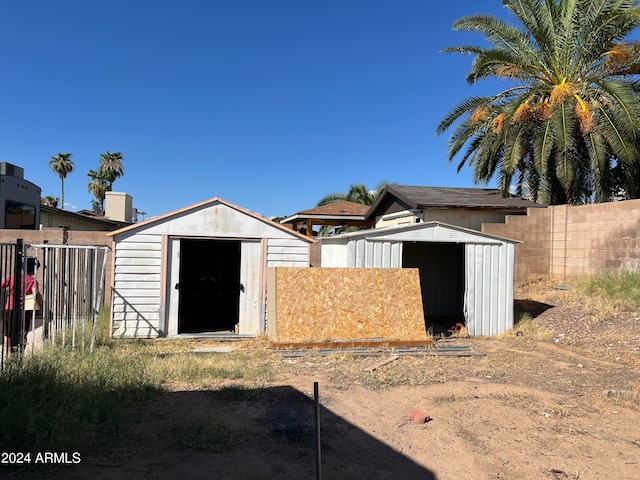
column 404, row 371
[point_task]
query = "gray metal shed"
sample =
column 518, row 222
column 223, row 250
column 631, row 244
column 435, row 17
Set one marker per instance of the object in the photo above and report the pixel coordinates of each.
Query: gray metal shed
column 199, row 270
column 465, row 275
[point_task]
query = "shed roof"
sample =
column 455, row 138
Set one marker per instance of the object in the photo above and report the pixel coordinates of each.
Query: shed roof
column 398, row 230
column 166, row 216
column 416, row 197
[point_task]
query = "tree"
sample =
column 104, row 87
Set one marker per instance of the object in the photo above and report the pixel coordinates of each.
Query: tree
column 357, row 193
column 97, row 184
column 111, row 167
column 62, row 165
column 567, row 128
column 49, row 201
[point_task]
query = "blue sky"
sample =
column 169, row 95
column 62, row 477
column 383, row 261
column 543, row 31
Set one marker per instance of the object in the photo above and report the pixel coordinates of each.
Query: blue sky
column 269, row 104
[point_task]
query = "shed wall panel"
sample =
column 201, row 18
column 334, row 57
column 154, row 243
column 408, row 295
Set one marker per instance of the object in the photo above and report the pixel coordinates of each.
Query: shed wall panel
column 489, row 289
column 137, row 279
column 287, row 253
column 334, row 254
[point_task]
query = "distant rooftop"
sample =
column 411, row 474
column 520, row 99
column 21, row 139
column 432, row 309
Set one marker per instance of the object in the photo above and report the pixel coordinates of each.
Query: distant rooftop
column 416, row 197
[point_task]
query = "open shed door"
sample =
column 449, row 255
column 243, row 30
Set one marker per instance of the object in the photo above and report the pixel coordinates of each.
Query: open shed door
column 441, row 267
column 214, row 286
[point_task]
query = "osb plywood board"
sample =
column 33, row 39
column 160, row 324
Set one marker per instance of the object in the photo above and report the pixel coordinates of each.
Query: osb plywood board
column 324, row 304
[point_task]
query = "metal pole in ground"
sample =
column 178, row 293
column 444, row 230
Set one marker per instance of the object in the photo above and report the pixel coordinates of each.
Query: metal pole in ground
column 316, row 402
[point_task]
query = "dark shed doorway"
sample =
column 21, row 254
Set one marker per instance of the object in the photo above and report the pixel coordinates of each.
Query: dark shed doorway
column 209, row 285
column 441, row 267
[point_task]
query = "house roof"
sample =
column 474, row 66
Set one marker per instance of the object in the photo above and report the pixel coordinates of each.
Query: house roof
column 197, row 206
column 85, row 216
column 341, row 212
column 339, row 208
column 415, row 197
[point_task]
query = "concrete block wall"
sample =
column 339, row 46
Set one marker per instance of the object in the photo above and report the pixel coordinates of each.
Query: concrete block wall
column 533, row 255
column 570, row 241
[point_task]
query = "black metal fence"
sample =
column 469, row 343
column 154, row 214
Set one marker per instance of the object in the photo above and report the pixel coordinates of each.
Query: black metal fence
column 71, row 282
column 13, row 319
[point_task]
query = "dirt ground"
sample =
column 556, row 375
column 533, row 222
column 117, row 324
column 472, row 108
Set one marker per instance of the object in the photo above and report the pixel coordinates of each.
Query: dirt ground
column 560, row 405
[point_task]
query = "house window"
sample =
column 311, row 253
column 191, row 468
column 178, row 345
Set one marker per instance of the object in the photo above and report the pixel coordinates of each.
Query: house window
column 18, row 215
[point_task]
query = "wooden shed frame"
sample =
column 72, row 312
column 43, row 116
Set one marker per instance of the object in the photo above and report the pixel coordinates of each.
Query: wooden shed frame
column 163, row 271
column 481, row 264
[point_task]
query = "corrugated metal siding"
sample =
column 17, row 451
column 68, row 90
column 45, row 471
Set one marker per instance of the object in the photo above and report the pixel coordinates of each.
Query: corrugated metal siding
column 489, row 288
column 137, row 276
column 366, row 254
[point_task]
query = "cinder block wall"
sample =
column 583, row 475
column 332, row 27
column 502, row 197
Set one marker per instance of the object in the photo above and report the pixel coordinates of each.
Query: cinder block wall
column 570, row 241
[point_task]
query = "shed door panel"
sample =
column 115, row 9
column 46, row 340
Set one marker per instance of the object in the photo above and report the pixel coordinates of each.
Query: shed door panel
column 251, row 291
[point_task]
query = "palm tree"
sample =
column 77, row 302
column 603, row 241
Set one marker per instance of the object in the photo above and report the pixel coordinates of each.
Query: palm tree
column 567, row 127
column 111, row 167
column 97, row 184
column 62, row 165
column 357, row 193
column 49, row 201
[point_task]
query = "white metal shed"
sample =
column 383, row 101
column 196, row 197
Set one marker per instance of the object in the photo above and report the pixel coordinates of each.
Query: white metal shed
column 199, row 270
column 465, row 275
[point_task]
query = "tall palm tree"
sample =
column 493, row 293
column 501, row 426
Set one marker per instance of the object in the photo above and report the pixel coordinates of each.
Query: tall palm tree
column 111, row 167
column 357, row 193
column 97, row 185
column 567, row 127
column 62, row 165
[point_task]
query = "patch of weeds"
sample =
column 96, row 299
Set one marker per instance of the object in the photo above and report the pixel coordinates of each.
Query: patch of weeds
column 200, row 369
column 210, row 434
column 382, row 379
column 610, row 292
column 623, row 287
column 67, row 401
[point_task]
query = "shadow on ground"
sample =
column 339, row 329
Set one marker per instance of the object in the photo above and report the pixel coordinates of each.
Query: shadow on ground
column 239, row 433
column 531, row 307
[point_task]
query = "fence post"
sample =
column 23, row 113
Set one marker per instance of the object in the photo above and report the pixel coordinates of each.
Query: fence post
column 16, row 317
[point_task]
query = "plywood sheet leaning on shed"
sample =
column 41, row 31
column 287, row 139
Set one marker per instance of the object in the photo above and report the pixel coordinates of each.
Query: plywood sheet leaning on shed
column 321, row 304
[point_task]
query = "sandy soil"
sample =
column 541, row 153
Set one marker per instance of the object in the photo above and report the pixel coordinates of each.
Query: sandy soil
column 521, row 407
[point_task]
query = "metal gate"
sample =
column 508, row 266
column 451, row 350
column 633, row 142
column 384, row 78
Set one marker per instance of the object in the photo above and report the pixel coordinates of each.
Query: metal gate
column 71, row 280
